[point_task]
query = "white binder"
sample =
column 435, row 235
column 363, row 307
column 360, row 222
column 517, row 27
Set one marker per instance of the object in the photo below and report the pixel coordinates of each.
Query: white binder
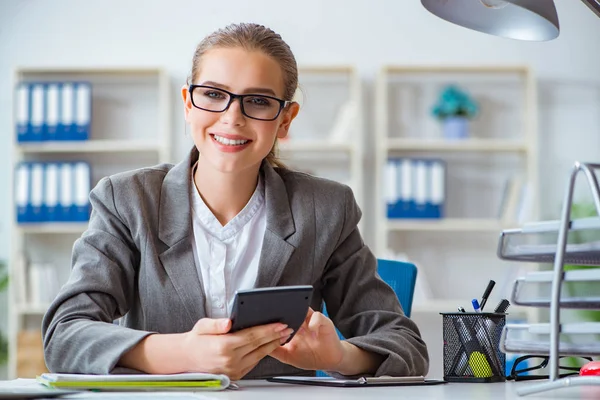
column 22, row 117
column 82, row 191
column 420, row 183
column 406, row 184
column 83, row 111
column 51, row 192
column 52, row 111
column 437, row 190
column 37, row 112
column 67, row 112
column 65, row 198
column 22, row 191
column 37, row 191
column 391, row 182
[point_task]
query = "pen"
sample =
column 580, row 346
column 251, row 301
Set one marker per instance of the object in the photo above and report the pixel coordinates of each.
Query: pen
column 487, row 292
column 476, row 305
column 461, row 309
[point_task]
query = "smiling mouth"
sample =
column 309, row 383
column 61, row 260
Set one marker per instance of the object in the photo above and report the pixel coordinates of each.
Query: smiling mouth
column 229, row 142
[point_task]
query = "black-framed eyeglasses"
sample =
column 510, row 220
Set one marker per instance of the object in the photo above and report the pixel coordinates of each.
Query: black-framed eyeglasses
column 255, row 106
column 539, row 362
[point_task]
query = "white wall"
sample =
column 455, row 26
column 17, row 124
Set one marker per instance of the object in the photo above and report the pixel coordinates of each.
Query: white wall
column 365, row 33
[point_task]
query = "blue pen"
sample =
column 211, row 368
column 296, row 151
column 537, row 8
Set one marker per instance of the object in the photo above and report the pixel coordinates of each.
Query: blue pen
column 476, row 305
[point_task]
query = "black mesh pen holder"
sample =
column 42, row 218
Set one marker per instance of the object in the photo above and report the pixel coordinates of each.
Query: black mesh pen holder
column 472, row 347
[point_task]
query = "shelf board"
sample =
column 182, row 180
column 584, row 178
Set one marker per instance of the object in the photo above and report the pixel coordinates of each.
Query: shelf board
column 466, row 145
column 315, row 146
column 31, row 309
column 325, row 69
column 53, row 227
column 90, row 146
column 90, row 70
column 471, row 69
column 446, row 225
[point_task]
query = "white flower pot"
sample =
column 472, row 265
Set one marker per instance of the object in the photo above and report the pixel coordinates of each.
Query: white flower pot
column 455, row 128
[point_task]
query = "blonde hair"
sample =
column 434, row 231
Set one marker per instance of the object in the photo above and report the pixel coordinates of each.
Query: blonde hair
column 253, row 37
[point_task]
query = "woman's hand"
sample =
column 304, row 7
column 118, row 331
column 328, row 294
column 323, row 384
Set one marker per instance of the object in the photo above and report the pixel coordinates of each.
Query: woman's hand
column 210, row 348
column 315, row 346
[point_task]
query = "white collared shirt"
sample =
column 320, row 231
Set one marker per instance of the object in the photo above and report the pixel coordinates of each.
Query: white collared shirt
column 227, row 256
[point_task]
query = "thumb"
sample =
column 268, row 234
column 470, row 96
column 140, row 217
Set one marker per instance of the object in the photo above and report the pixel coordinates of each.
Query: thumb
column 319, row 324
column 210, row 326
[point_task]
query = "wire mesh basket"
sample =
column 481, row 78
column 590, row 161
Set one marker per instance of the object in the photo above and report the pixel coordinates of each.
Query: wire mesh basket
column 472, row 347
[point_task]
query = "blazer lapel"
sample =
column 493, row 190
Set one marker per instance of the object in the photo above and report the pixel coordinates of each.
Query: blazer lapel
column 276, row 251
column 175, row 230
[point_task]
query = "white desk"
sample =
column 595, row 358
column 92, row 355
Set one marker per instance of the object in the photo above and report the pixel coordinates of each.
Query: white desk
column 262, row 390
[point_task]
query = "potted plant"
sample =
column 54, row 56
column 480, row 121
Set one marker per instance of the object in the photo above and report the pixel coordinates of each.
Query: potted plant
column 454, row 108
column 3, row 341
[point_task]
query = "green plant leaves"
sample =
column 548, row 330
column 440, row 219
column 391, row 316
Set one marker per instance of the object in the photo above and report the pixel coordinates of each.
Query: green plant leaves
column 454, row 102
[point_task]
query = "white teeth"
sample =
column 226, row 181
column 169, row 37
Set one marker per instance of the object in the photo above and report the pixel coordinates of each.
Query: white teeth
column 229, row 142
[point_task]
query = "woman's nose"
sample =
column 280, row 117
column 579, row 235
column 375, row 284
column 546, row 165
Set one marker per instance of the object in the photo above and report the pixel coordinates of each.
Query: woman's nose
column 233, row 114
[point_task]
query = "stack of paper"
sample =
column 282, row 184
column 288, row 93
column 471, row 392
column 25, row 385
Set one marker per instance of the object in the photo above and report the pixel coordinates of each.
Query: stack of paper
column 179, row 382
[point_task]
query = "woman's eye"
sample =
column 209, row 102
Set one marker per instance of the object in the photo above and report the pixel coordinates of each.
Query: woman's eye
column 259, row 101
column 214, row 95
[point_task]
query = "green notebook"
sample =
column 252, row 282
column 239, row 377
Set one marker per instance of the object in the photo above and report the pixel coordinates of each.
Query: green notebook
column 178, row 382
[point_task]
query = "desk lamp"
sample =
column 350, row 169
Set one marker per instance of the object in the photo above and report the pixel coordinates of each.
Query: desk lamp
column 534, row 20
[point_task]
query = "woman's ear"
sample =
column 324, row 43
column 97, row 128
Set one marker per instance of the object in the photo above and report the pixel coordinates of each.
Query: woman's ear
column 288, row 116
column 187, row 101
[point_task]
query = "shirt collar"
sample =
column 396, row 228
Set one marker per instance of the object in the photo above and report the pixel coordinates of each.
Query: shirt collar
column 204, row 215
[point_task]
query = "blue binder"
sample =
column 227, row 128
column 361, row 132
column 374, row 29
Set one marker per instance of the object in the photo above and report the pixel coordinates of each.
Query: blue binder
column 66, row 124
column 23, row 192
column 82, row 178
column 23, row 117
column 65, row 197
column 390, row 187
column 51, row 187
column 52, row 116
column 83, row 111
column 38, row 111
column 37, row 192
column 437, row 191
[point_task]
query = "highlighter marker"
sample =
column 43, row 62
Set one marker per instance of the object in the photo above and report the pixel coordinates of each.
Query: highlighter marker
column 502, row 306
column 476, row 305
column 479, row 365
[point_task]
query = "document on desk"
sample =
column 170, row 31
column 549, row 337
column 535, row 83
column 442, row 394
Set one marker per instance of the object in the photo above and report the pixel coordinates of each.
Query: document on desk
column 136, row 382
column 360, row 382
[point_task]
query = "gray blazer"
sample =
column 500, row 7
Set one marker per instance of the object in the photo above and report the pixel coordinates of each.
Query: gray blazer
column 135, row 262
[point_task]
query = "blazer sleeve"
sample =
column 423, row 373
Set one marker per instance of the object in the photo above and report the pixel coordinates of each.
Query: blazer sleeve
column 78, row 330
column 364, row 308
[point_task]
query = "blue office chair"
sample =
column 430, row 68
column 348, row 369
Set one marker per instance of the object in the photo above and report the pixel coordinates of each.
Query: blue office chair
column 401, row 276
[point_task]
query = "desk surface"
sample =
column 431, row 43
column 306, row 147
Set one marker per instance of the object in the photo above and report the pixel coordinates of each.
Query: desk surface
column 262, row 390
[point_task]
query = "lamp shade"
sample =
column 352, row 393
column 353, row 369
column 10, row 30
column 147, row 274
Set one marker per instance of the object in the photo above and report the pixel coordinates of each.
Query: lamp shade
column 534, row 20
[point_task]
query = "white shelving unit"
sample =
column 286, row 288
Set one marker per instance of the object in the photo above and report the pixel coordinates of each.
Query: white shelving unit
column 326, row 139
column 131, row 128
column 502, row 145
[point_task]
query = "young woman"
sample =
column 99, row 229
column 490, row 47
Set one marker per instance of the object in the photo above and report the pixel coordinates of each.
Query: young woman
column 168, row 246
